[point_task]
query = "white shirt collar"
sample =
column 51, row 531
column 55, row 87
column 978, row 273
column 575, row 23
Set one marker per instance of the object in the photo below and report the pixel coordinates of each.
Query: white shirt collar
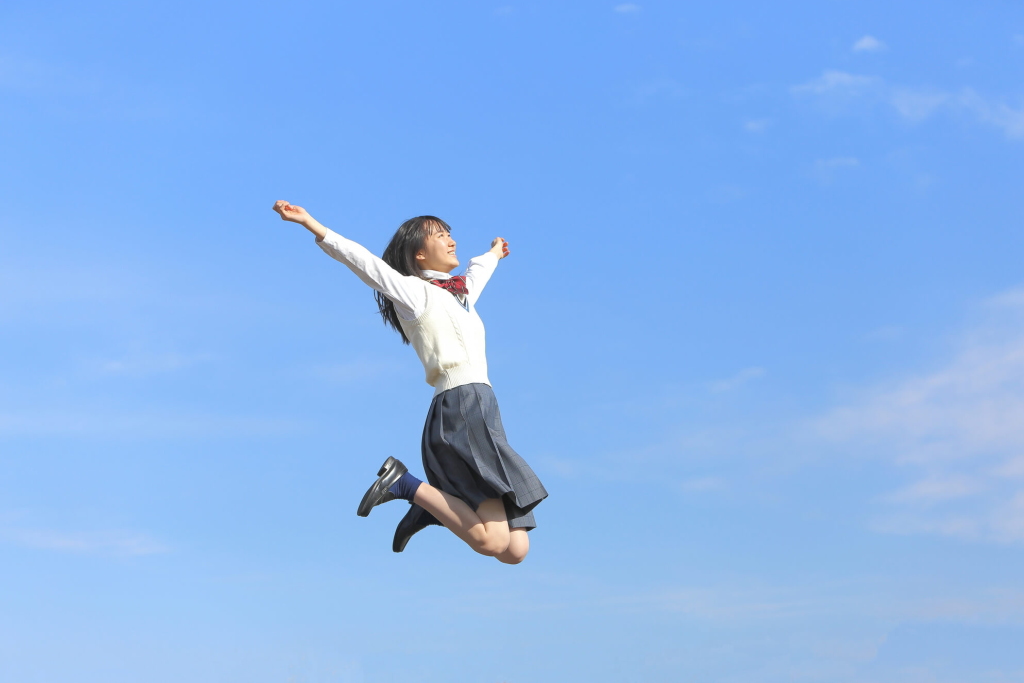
column 434, row 275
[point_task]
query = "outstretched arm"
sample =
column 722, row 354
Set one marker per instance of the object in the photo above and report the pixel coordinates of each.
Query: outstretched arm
column 406, row 292
column 482, row 267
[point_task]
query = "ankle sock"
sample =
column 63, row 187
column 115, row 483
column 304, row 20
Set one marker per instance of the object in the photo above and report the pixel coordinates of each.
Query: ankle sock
column 405, row 487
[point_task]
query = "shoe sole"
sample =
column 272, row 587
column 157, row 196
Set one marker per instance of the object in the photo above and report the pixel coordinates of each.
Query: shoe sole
column 390, row 472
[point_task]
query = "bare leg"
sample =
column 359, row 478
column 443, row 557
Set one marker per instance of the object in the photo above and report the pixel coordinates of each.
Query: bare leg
column 485, row 530
column 518, row 546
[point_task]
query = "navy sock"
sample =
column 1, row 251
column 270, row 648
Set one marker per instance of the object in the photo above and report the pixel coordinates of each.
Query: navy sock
column 405, row 487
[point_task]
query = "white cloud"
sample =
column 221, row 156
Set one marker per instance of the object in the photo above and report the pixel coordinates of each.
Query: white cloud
column 885, row 333
column 1012, row 468
column 832, row 81
column 839, row 162
column 662, row 88
column 838, row 90
column 141, row 364
column 697, row 484
column 627, row 8
column 826, row 169
column 1011, row 298
column 1002, row 522
column 100, row 543
column 959, row 431
column 137, row 425
column 903, row 524
column 892, row 602
column 1007, row 520
column 726, row 194
column 917, row 104
column 869, row 44
column 974, row 405
column 996, row 113
column 756, row 125
column 938, row 488
column 32, row 75
column 737, row 380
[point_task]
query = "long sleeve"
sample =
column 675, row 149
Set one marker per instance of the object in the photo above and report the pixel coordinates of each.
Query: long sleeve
column 406, row 291
column 478, row 273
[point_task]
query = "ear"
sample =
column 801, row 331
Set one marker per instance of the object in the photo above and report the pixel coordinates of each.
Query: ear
column 420, row 256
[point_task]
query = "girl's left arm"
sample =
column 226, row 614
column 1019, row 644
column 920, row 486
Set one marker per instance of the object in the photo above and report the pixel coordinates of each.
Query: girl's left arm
column 482, row 267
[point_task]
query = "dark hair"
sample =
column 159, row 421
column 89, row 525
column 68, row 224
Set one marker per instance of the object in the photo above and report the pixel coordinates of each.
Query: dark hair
column 400, row 254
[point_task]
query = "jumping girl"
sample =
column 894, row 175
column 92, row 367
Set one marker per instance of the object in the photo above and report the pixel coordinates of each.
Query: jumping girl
column 477, row 486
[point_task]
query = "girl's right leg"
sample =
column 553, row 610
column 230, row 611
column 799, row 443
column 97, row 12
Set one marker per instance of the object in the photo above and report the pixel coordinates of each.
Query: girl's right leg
column 518, row 546
column 484, row 530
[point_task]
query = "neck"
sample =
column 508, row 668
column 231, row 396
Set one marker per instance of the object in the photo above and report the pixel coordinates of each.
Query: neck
column 435, row 274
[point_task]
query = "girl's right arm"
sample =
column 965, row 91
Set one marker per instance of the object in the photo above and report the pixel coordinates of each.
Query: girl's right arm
column 407, row 293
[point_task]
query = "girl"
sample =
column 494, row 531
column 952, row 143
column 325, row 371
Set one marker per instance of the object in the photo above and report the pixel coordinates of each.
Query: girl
column 477, row 486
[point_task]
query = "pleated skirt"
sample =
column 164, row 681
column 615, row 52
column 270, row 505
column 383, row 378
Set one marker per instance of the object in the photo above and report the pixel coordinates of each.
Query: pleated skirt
column 466, row 454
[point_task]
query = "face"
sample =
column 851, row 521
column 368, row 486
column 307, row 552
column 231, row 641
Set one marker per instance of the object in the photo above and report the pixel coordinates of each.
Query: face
column 438, row 252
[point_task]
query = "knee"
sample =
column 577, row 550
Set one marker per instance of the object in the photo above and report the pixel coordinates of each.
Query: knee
column 511, row 556
column 492, row 545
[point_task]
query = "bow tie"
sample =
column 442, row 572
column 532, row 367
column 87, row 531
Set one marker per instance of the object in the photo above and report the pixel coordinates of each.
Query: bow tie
column 456, row 285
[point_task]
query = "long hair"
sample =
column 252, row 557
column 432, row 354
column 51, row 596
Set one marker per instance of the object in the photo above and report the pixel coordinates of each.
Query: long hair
column 400, row 254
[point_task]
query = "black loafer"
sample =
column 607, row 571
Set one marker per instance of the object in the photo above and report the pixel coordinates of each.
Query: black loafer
column 390, row 472
column 415, row 520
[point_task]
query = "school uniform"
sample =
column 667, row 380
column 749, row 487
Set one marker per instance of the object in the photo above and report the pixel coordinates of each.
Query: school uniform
column 464, row 448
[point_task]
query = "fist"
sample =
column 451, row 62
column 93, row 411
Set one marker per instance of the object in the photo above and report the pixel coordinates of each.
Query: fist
column 290, row 212
column 499, row 247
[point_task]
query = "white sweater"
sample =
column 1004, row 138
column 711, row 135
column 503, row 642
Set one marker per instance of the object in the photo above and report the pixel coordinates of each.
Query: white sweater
column 449, row 340
column 448, row 336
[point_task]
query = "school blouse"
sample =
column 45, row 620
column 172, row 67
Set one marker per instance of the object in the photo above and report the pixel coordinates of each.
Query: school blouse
column 445, row 331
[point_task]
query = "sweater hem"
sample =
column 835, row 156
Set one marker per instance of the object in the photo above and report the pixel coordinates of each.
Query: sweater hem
column 458, row 376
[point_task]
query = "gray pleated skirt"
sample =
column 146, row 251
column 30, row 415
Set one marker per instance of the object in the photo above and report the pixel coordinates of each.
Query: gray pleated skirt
column 465, row 454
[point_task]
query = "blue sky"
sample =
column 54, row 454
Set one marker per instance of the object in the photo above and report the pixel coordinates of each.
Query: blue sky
column 761, row 335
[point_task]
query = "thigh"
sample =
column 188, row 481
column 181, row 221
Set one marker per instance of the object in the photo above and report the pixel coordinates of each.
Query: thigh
column 492, row 513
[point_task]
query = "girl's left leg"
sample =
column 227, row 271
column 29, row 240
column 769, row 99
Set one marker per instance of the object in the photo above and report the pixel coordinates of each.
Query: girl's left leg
column 485, row 529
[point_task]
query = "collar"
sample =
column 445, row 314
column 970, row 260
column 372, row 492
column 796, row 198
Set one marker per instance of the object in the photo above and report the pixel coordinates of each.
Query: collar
column 434, row 275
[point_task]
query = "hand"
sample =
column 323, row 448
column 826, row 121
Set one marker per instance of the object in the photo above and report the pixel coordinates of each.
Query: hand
column 499, row 247
column 290, row 212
